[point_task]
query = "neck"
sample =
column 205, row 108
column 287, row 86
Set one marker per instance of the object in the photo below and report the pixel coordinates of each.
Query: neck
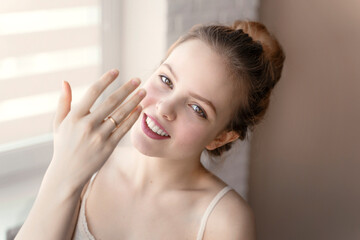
column 155, row 175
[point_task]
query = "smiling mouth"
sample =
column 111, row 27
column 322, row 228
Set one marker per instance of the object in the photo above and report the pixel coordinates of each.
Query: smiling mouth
column 153, row 129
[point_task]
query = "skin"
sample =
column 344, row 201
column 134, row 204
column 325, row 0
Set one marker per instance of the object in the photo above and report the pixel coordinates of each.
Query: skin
column 156, row 179
column 83, row 142
column 167, row 174
column 170, row 161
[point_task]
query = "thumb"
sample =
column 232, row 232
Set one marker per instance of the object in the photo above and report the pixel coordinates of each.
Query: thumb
column 64, row 105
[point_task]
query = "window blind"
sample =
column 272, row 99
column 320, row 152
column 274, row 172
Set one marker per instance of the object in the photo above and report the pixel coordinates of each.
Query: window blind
column 43, row 43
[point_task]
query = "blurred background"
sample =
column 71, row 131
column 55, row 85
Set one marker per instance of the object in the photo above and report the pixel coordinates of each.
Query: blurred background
column 299, row 168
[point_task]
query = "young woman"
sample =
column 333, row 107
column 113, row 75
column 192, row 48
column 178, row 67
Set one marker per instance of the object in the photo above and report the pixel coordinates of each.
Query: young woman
column 213, row 85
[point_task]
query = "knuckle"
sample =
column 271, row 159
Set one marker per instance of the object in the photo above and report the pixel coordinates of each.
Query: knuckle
column 133, row 104
column 137, row 98
column 72, row 121
column 126, row 125
column 87, row 126
column 125, row 130
column 131, row 107
column 72, row 116
column 112, row 100
column 97, row 138
column 121, row 115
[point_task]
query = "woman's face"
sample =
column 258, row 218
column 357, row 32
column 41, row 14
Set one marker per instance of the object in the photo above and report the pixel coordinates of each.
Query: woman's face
column 188, row 103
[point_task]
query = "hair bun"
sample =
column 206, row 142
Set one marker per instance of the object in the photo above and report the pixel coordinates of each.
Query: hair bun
column 273, row 52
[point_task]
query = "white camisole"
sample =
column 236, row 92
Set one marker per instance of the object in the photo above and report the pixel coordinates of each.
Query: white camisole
column 82, row 231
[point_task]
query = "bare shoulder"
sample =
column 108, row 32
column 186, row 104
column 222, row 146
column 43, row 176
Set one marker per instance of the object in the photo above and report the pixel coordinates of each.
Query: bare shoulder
column 232, row 218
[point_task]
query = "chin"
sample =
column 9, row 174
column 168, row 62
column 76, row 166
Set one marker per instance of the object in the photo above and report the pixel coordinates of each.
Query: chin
column 142, row 144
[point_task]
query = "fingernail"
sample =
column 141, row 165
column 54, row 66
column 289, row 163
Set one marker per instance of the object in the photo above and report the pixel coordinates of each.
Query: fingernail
column 114, row 72
column 141, row 93
column 135, row 81
column 63, row 85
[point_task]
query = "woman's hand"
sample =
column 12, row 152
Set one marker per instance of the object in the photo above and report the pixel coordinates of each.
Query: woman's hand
column 84, row 140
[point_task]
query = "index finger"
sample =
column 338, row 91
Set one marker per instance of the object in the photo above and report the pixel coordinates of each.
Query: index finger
column 92, row 94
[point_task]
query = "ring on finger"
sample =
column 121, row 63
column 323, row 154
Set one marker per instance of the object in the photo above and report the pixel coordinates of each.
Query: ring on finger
column 111, row 119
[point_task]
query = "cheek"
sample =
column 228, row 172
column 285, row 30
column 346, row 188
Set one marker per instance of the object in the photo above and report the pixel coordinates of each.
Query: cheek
column 191, row 135
column 152, row 94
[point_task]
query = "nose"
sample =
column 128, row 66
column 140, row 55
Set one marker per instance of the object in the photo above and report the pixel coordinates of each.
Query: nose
column 166, row 109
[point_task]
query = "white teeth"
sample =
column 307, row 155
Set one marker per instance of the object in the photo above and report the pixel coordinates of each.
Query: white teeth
column 151, row 125
column 155, row 128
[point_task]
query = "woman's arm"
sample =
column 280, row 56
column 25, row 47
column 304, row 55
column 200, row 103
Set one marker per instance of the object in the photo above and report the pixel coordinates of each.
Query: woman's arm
column 83, row 141
column 54, row 213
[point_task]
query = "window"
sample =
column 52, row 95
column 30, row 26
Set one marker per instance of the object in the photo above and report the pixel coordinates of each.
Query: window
column 43, row 43
column 51, row 41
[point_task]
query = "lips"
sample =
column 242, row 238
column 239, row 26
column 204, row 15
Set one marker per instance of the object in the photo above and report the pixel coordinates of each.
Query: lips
column 150, row 133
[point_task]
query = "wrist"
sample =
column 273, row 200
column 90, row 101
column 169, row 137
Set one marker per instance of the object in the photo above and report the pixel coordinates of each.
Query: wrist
column 57, row 182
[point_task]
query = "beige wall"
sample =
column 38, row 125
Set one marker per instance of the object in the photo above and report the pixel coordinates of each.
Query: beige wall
column 134, row 40
column 305, row 156
column 144, row 37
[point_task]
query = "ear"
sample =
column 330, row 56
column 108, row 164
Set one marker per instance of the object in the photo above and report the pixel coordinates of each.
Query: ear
column 222, row 139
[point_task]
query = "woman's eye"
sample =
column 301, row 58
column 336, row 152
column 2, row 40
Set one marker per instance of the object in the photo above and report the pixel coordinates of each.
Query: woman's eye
column 166, row 80
column 198, row 110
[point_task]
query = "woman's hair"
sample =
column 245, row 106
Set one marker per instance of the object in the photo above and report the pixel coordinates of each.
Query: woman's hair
column 254, row 59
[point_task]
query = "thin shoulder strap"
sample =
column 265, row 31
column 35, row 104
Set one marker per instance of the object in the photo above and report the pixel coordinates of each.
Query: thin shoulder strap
column 82, row 228
column 89, row 187
column 209, row 210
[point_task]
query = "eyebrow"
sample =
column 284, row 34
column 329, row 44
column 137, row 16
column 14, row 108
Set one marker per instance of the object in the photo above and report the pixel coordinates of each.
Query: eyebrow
column 209, row 103
column 204, row 100
column 171, row 70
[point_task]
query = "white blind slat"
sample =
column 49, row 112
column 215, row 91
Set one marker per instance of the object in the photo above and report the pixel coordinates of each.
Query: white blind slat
column 23, row 5
column 49, row 61
column 48, row 82
column 41, row 44
column 24, row 107
column 30, row 43
column 44, row 20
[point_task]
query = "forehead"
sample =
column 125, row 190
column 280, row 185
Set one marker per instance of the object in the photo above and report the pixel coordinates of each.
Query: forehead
column 203, row 70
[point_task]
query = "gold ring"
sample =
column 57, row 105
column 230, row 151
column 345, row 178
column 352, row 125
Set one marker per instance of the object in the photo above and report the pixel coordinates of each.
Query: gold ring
column 111, row 119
